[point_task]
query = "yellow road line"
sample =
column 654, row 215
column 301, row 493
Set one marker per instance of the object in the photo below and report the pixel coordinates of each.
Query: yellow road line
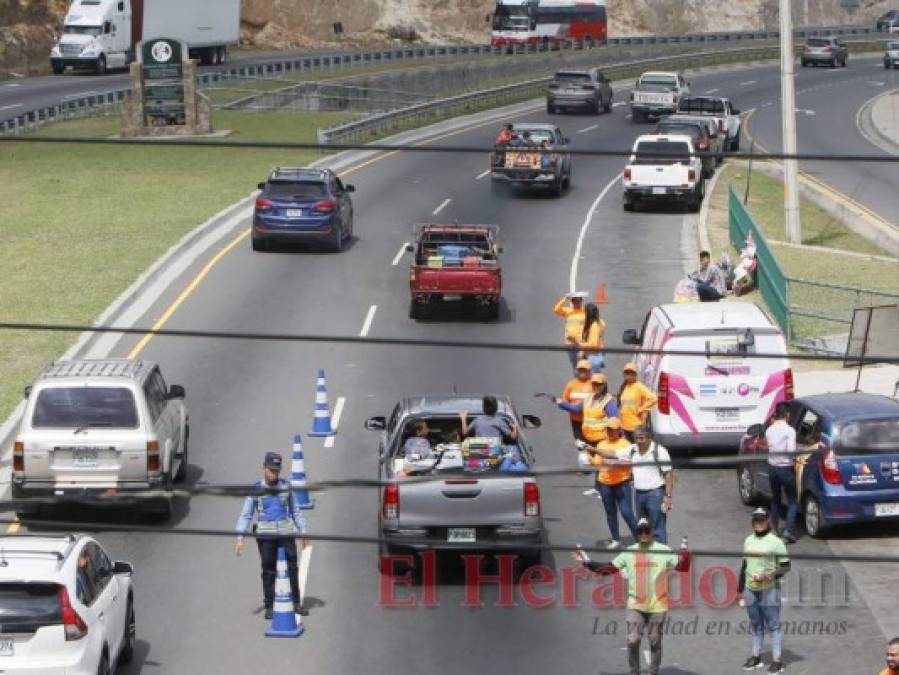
column 192, row 286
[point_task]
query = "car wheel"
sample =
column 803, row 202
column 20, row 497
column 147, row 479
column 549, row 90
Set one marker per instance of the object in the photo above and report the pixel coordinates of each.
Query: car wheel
column 567, row 183
column 735, row 143
column 886, row 65
column 695, row 202
column 103, row 668
column 491, row 310
column 629, row 205
column 181, row 474
column 414, row 310
column 101, row 65
column 129, row 639
column 607, row 106
column 749, row 495
column 258, row 244
column 558, row 186
column 337, row 239
column 58, row 68
column 550, row 108
column 805, row 64
column 814, row 519
column 597, row 106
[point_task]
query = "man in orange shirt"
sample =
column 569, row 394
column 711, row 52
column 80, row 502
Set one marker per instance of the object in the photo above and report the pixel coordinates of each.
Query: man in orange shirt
column 575, row 393
column 571, row 308
column 892, row 658
column 614, row 481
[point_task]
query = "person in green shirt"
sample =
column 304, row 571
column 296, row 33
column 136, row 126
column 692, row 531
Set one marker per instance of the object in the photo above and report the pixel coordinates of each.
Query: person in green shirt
column 645, row 566
column 765, row 563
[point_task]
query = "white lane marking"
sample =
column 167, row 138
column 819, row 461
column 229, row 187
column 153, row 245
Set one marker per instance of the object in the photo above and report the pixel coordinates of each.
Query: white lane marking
column 305, row 557
column 335, row 419
column 572, row 279
column 628, row 116
column 9, row 107
column 877, row 84
column 482, row 174
column 79, row 94
column 12, row 84
column 366, row 325
column 618, row 103
column 711, row 91
column 399, row 254
column 805, row 112
column 586, row 129
column 747, row 83
column 442, row 206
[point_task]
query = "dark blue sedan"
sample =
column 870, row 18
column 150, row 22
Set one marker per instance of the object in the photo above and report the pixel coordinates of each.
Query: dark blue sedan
column 849, row 472
column 297, row 204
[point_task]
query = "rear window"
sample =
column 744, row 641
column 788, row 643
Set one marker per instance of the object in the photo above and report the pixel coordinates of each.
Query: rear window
column 702, row 105
column 287, row 189
column 880, row 436
column 818, row 42
column 654, row 152
column 26, row 607
column 659, row 80
column 67, row 407
column 685, row 129
column 573, row 77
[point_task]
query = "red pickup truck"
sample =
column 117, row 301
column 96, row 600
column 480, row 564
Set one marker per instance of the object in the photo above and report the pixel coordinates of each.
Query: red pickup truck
column 455, row 263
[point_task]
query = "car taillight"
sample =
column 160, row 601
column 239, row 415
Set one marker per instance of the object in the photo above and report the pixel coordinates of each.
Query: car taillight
column 18, row 456
column 152, row 456
column 263, row 204
column 74, row 625
column 664, row 403
column 788, row 385
column 691, row 175
column 325, row 206
column 627, row 173
column 830, row 469
column 391, row 506
column 531, row 499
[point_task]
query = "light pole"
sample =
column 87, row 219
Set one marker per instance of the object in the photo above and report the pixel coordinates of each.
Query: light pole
column 788, row 115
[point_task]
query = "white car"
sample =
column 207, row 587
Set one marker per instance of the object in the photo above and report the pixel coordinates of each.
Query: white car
column 656, row 94
column 66, row 607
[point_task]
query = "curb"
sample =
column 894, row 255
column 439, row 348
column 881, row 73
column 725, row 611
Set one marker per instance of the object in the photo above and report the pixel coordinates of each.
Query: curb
column 702, row 222
column 864, row 120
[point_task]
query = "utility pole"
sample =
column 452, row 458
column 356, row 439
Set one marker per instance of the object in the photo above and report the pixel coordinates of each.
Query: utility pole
column 788, row 115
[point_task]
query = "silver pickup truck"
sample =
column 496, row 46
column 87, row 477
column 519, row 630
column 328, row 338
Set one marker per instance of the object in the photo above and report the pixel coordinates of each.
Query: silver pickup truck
column 656, row 94
column 458, row 498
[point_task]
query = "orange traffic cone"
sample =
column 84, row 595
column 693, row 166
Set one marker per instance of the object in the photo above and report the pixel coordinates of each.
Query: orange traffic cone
column 601, row 295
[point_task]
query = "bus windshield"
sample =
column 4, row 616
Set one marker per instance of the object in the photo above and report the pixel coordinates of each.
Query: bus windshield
column 511, row 17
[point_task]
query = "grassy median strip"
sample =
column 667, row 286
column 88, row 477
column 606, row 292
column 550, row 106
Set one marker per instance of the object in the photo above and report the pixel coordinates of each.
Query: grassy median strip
column 811, row 262
column 80, row 222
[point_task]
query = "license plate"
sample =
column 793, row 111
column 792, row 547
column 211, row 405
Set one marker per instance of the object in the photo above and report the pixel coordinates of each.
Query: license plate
column 659, row 190
column 886, row 510
column 84, row 457
column 570, row 91
column 727, row 414
column 293, row 213
column 452, row 298
column 7, row 647
column 460, row 535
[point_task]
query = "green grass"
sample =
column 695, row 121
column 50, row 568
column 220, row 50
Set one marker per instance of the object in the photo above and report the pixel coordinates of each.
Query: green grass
column 819, row 229
column 80, row 222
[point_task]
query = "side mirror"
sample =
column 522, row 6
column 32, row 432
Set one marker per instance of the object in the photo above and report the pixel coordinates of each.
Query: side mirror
column 350, row 188
column 531, row 421
column 120, row 567
column 26, row 392
column 755, row 430
column 261, row 186
column 176, row 391
column 376, row 423
column 629, row 337
column 410, row 248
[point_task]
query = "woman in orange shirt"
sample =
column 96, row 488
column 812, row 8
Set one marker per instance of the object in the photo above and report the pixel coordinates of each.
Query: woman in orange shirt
column 614, row 482
column 573, row 396
column 635, row 400
column 591, row 341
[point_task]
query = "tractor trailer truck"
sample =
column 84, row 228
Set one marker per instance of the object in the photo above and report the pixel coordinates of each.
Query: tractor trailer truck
column 102, row 34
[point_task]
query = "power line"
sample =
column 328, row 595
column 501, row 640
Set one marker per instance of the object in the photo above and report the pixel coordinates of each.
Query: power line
column 413, row 342
column 295, row 145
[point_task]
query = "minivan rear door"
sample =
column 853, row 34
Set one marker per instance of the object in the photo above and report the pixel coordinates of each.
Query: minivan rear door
column 867, row 453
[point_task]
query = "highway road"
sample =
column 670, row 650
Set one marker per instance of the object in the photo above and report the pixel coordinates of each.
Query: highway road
column 199, row 608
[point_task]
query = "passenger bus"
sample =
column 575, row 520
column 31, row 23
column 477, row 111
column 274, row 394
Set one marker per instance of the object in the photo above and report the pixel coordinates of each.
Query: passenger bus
column 544, row 21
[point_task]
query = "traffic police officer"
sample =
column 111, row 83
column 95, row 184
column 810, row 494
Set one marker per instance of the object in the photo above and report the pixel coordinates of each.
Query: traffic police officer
column 279, row 519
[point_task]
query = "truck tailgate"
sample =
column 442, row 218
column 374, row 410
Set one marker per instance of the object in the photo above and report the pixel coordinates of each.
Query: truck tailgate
column 462, row 280
column 654, row 97
column 465, row 500
column 663, row 175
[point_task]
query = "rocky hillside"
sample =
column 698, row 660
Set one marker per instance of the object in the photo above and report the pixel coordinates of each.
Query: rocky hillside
column 28, row 27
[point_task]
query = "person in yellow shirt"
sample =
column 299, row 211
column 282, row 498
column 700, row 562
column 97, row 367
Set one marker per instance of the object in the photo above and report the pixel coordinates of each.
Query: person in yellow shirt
column 571, row 308
column 635, row 400
column 614, row 481
column 592, row 342
column 573, row 396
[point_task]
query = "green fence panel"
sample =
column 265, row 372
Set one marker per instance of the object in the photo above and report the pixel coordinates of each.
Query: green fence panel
column 771, row 280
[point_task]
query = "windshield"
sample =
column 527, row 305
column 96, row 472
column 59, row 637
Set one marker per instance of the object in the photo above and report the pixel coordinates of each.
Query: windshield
column 818, row 42
column 878, row 436
column 658, row 81
column 702, row 105
column 285, row 189
column 83, row 30
column 75, row 407
column 573, row 77
column 511, row 17
column 648, row 152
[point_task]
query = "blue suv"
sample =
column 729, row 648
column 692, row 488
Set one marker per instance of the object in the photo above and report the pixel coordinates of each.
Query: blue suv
column 848, row 468
column 297, row 204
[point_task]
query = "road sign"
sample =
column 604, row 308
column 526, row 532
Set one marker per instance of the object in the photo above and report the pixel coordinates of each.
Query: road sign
column 162, row 78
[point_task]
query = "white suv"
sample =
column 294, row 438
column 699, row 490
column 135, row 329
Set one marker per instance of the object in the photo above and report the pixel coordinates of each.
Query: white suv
column 66, row 608
column 101, row 427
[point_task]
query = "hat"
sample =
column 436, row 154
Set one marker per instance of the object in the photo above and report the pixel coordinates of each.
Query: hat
column 583, row 364
column 613, row 423
column 644, row 524
column 598, row 378
column 579, row 295
column 630, row 366
column 272, row 461
column 759, row 513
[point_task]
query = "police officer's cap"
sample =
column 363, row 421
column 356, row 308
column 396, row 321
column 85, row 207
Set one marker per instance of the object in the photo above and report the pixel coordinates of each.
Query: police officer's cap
column 272, row 461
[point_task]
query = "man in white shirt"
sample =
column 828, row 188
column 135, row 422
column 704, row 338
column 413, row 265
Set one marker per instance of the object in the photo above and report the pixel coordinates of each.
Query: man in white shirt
column 781, row 440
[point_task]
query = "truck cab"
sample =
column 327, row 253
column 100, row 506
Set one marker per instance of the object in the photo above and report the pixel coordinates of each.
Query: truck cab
column 96, row 36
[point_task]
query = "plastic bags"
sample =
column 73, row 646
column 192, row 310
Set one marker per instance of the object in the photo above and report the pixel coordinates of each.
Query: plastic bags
column 685, row 291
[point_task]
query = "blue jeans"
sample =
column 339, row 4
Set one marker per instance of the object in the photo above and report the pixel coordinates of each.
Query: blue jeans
column 649, row 505
column 763, row 608
column 617, row 498
column 783, row 478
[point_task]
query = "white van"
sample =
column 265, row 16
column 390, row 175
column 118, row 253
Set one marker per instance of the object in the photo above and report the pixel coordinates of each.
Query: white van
column 710, row 399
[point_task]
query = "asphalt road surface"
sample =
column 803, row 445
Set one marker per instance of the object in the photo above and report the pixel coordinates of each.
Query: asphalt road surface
column 199, row 607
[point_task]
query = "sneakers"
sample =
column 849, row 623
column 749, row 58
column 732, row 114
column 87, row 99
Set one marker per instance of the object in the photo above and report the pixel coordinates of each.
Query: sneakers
column 776, row 667
column 299, row 609
column 613, row 544
column 753, row 663
column 269, row 613
column 788, row 537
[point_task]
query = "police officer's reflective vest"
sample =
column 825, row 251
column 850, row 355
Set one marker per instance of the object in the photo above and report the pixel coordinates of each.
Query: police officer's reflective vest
column 274, row 515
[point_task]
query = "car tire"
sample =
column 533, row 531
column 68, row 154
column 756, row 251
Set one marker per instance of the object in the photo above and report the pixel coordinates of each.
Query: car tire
column 813, row 518
column 749, row 494
column 126, row 655
column 181, row 474
column 258, row 244
column 414, row 310
column 550, row 108
column 100, row 68
column 58, row 68
column 491, row 310
column 886, row 66
column 607, row 106
column 336, row 239
column 804, row 64
column 735, row 143
column 695, row 203
column 566, row 183
column 596, row 106
column 636, row 117
column 629, row 205
column 558, row 187
column 103, row 668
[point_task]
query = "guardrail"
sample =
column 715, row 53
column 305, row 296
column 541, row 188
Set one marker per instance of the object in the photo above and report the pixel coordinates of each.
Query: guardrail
column 78, row 107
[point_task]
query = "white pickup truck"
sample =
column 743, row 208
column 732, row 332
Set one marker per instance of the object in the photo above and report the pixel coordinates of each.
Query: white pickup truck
column 718, row 108
column 656, row 94
column 663, row 167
